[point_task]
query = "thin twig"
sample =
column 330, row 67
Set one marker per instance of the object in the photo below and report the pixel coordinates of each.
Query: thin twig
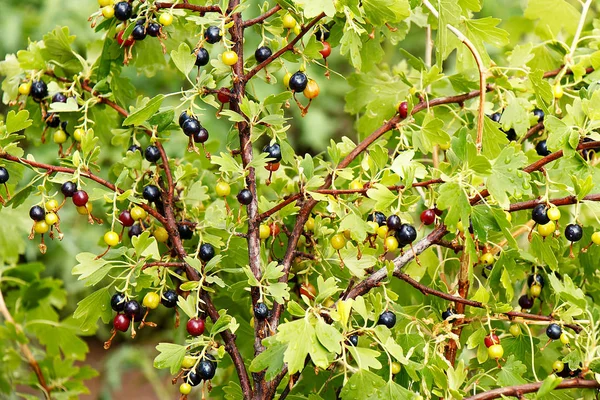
column 515, row 391
column 260, row 19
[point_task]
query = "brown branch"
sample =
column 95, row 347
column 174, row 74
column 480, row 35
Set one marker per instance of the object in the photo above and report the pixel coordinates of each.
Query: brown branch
column 563, row 201
column 554, row 72
column 533, row 130
column 164, row 264
column 288, row 47
column 260, row 19
column 187, row 6
column 520, row 390
column 463, row 292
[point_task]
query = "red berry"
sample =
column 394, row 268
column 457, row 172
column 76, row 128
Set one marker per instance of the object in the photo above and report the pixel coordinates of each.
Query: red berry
column 491, row 340
column 274, row 166
column 80, row 198
column 275, row 229
column 121, row 322
column 428, row 217
column 195, row 326
column 326, row 51
column 126, row 218
column 223, row 97
column 403, row 109
column 124, row 42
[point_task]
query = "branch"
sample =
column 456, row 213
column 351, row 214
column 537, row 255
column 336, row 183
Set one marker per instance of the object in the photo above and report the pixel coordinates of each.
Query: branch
column 563, row 201
column 187, row 6
column 520, row 390
column 288, row 47
column 260, row 19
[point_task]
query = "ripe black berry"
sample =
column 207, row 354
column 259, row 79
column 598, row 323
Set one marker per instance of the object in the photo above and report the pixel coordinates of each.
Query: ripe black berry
column 135, row 230
column 183, row 117
column 511, row 134
column 406, row 234
column 526, row 302
column 448, row 313
column 52, row 120
column 202, row 57
column 131, row 308
column 201, row 136
column 298, row 82
column 394, row 222
column 134, row 147
column 387, row 318
column 322, row 33
column 141, row 21
column 4, row 175
column 213, row 34
column 378, row 217
column 191, row 126
column 206, row 369
column 59, row 98
column 535, row 278
column 193, row 378
column 353, row 340
column 274, row 152
column 262, row 53
column 540, row 214
column 39, row 90
column 539, row 114
column 123, row 11
column 261, row 311
column 169, row 298
column 207, row 252
column 495, row 117
column 573, row 232
column 554, row 331
column 117, row 302
column 153, row 29
column 244, row 197
column 151, row 193
column 68, row 189
column 139, row 32
column 37, row 213
column 542, row 148
column 152, row 154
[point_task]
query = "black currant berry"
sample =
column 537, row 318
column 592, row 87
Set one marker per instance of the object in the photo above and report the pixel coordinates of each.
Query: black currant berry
column 394, row 222
column 539, row 114
column 123, row 11
column 526, row 302
column 68, row 189
column 139, row 32
column 202, row 57
column 37, row 213
column 193, row 378
column 448, row 313
column 39, row 90
column 554, row 331
column 169, row 298
column 298, row 82
column 52, row 120
column 201, row 136
column 573, row 232
column 274, row 152
column 4, row 175
column 153, row 29
column 183, row 117
column 152, row 154
column 262, row 53
column 141, row 21
column 542, row 148
column 59, row 98
column 185, row 232
column 206, row 369
column 511, row 134
column 496, row 117
column 378, row 217
column 261, row 311
column 134, row 147
column 117, row 302
column 131, row 308
column 207, row 252
column 540, row 214
column 406, row 234
column 535, row 278
column 244, row 197
column 191, row 126
column 135, row 230
column 387, row 318
column 212, row 34
column 322, row 33
column 353, row 340
column 151, row 193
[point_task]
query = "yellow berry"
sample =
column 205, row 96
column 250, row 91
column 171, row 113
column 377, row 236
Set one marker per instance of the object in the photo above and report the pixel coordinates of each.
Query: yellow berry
column 185, row 388
column 108, row 12
column 382, row 231
column 297, row 30
column 51, row 218
column 515, row 330
column 78, row 134
column 286, row 79
column 85, row 210
column 558, row 90
column 25, row 88
column 596, row 237
column 374, row 225
column 391, row 243
column 508, row 216
column 554, row 213
column 487, row 259
column 41, row 227
column 223, row 189
column 104, row 3
column 396, row 367
column 564, row 339
column 312, row 89
column 161, row 234
column 356, row 185
column 547, row 229
column 111, row 238
column 229, row 57
column 535, row 290
column 138, row 213
column 310, row 224
column 558, row 366
column 51, row 205
column 289, row 22
column 165, row 19
column 264, row 231
column 460, row 227
column 59, row 137
column 496, row 351
column 188, row 362
column 152, row 300
column 347, row 234
column 338, row 241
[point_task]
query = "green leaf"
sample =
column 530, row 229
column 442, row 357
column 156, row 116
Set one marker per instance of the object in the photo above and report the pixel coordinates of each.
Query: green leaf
column 271, row 359
column 454, row 199
column 142, row 114
column 162, row 120
column 171, row 356
column 550, row 383
column 17, row 122
column 362, row 385
column 328, row 336
column 382, row 195
column 512, row 372
column 553, row 15
column 312, row 8
column 183, row 58
column 380, row 12
column 365, row 358
column 94, row 306
column 507, row 178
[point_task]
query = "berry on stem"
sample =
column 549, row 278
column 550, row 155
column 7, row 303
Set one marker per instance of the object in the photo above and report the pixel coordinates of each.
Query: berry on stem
column 213, row 34
column 151, row 300
column 37, row 213
column 262, row 54
column 496, row 351
column 117, row 301
column 185, row 388
column 547, row 229
column 39, row 90
column 41, row 227
column 153, row 29
column 554, row 331
column 80, row 198
column 338, row 241
column 202, row 57
column 138, row 213
column 526, row 302
column 274, row 152
column 111, row 238
column 123, row 10
column 185, row 231
column 540, row 214
column 244, row 197
column 151, row 193
column 229, row 57
column 207, row 252
column 169, row 298
column 388, row 319
column 195, row 326
column 68, row 189
column 121, row 322
column 298, row 82
column 223, row 189
column 353, row 340
column 125, row 218
column 542, row 148
column 406, row 234
column 165, row 19
column 326, row 50
column 403, row 110
column 152, row 154
column 135, row 230
column 312, row 89
column 308, row 289
column 448, row 313
column 261, row 311
column 428, row 217
column 491, row 340
column 573, row 232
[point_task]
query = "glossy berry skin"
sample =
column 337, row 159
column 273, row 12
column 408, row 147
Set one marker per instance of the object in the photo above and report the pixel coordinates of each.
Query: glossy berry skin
column 542, row 148
column 326, row 50
column 558, row 366
column 403, row 110
column 229, row 57
column 387, row 318
column 185, row 232
column 59, row 98
column 201, row 136
column 406, row 234
column 132, row 308
column 547, row 229
column 261, row 311
column 395, row 368
column 491, row 340
column 264, row 231
column 195, row 326
column 68, row 189
column 272, row 166
column 262, row 53
column 202, row 57
column 222, row 189
column 4, row 175
column 191, row 126
column 536, row 279
column 338, row 241
column 153, row 29
column 540, row 214
column 117, row 301
column 322, row 33
column 213, row 34
column 124, row 41
column 134, row 147
column 515, row 330
column 554, row 331
column 496, row 351
column 487, row 259
column 573, row 232
column 135, row 230
column 428, row 217
column 52, row 120
column 169, row 298
column 207, row 252
column 535, row 291
column 193, row 378
column 37, row 213
column 151, row 193
column 125, row 218
column 152, row 154
column 111, row 238
column 394, row 222
column 353, row 340
column 312, row 89
column 496, row 117
column 244, row 197
column 184, row 116
column 139, row 32
column 206, row 369
column 185, row 388
column 448, row 313
column 298, row 82
column 554, row 213
column 38, row 90
column 378, row 217
column 166, row 19
column 224, row 97
column 121, row 322
column 274, row 152
column 539, row 114
column 80, row 198
column 526, row 302
column 123, row 11
column 511, row 134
